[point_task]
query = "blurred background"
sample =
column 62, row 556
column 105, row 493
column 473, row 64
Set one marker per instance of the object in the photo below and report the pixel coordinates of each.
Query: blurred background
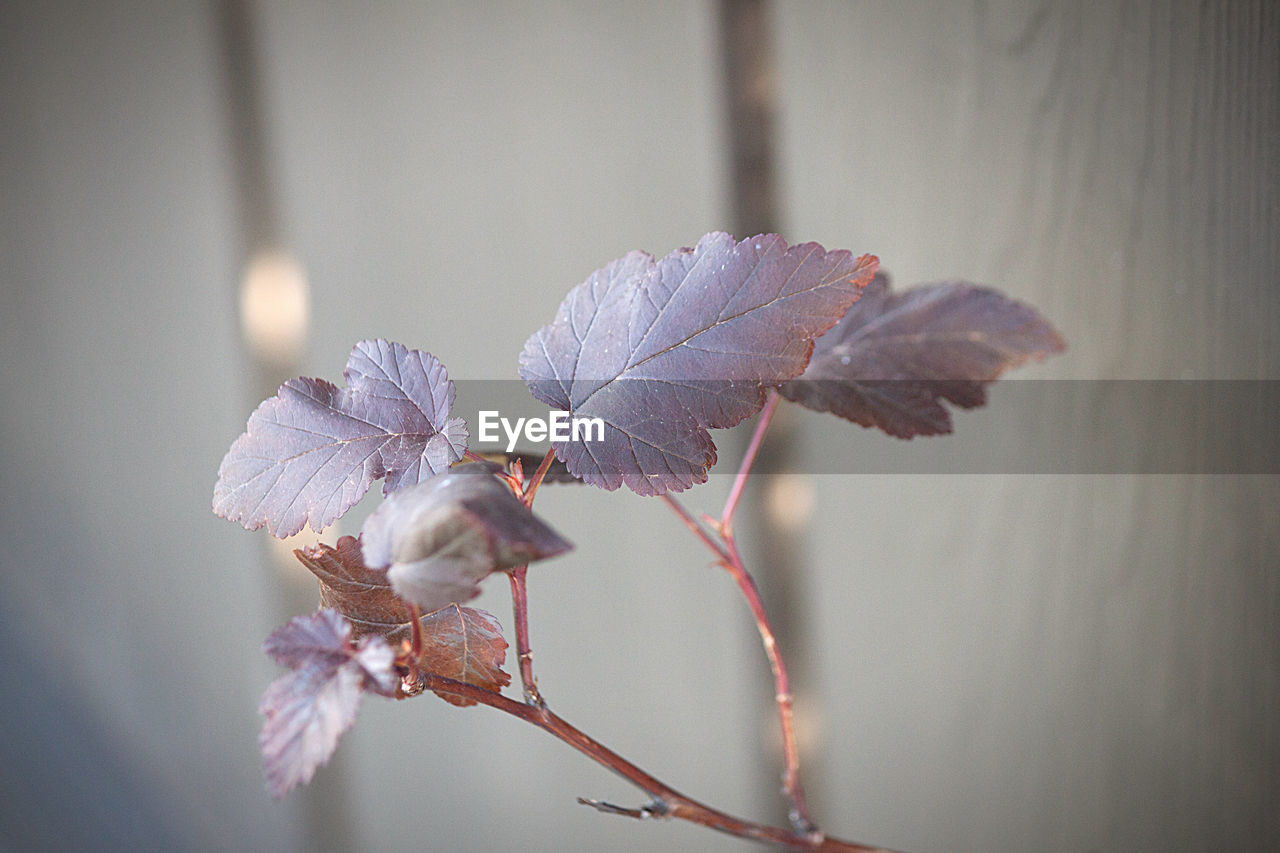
column 199, row 200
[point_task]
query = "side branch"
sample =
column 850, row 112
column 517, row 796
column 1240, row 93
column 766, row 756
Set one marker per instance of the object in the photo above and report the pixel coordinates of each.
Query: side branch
column 744, row 470
column 525, row 490
column 791, row 785
column 726, row 551
column 667, row 801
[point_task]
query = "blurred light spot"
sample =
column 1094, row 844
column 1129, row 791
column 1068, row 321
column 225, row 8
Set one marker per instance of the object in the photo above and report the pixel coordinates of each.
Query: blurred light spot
column 806, row 722
column 275, row 307
column 789, row 500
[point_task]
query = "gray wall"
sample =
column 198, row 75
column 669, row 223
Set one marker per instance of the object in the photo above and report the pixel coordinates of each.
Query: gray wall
column 986, row 662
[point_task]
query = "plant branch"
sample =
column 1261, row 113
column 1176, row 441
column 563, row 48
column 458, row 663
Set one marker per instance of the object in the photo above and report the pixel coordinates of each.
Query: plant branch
column 744, row 470
column 668, row 802
column 520, row 595
column 726, row 552
column 791, row 785
column 531, row 485
column 698, row 530
column 524, row 653
column 652, row 810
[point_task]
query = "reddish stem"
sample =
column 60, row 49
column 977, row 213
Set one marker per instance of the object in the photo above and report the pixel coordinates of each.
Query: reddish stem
column 744, row 470
column 520, row 595
column 668, row 802
column 520, row 608
column 415, row 630
column 727, row 554
column 531, row 485
column 698, row 530
column 791, row 785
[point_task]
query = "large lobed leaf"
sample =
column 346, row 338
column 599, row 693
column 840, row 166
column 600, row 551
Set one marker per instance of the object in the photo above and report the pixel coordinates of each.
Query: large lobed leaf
column 895, row 357
column 662, row 351
column 308, row 708
column 311, row 452
column 439, row 539
column 461, row 643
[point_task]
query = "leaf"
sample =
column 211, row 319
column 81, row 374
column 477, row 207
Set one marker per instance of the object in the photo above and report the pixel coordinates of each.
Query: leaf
column 361, row 594
column 309, row 708
column 439, row 539
column 464, row 644
column 461, row 643
column 310, row 453
column 662, row 351
column 892, row 360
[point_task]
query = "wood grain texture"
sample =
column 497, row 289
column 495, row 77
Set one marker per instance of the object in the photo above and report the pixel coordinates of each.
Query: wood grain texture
column 1053, row 663
column 1001, row 663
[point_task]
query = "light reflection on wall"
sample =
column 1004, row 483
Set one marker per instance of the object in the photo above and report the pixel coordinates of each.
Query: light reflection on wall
column 789, row 500
column 275, row 307
column 275, row 313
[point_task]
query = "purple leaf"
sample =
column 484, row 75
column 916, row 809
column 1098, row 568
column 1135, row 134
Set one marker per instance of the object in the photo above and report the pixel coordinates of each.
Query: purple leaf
column 439, row 539
column 663, row 350
column 312, row 451
column 892, row 360
column 309, row 708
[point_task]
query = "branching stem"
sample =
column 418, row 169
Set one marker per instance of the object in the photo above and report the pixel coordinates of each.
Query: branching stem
column 531, row 485
column 726, row 551
column 696, row 527
column 667, row 801
column 520, row 596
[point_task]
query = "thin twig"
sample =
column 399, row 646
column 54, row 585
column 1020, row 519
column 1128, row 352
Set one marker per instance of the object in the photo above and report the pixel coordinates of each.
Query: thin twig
column 727, row 553
column 698, row 530
column 791, row 785
column 651, row 810
column 677, row 805
column 744, row 470
column 520, row 609
column 531, row 485
column 520, row 595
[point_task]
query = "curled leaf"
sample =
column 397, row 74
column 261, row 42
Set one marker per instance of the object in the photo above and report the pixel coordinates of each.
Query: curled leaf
column 308, row 708
column 661, row 351
column 461, row 643
column 439, row 539
column 311, row 452
column 895, row 357
column 361, row 594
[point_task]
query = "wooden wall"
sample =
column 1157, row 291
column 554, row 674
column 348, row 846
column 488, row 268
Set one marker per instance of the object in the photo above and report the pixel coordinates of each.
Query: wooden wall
column 986, row 661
